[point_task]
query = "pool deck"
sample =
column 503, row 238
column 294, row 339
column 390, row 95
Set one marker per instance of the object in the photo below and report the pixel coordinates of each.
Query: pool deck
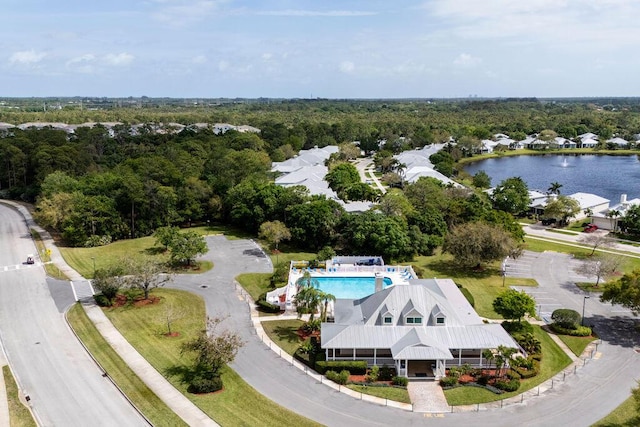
column 284, row 296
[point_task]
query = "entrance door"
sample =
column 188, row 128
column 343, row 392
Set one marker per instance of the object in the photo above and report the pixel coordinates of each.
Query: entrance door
column 421, row 368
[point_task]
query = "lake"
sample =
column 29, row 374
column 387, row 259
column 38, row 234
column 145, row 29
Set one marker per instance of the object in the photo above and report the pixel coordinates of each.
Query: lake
column 606, row 176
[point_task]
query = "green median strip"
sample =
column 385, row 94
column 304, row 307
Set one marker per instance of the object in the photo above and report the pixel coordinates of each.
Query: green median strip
column 146, row 329
column 141, row 396
column 19, row 415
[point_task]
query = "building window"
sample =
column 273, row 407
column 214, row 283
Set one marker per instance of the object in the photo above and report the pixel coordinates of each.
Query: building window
column 440, row 320
column 414, row 320
column 388, row 320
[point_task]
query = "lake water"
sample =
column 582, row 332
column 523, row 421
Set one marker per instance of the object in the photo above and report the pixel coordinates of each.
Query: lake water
column 606, row 176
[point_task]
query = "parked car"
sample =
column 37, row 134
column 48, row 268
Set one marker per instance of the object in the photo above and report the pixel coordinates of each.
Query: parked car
column 548, row 221
column 30, row 259
column 590, row 228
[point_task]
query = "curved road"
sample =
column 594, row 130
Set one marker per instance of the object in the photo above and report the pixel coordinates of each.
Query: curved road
column 65, row 386
column 583, row 399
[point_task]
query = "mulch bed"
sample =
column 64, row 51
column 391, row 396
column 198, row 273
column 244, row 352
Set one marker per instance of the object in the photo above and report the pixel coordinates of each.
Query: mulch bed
column 362, row 379
column 121, row 300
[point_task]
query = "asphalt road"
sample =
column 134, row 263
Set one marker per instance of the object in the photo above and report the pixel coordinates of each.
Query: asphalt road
column 65, row 386
column 583, row 399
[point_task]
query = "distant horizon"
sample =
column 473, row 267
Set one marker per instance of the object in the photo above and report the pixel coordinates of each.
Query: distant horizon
column 279, row 98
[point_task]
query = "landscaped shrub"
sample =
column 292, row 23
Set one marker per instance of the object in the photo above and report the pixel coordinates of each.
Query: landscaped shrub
column 401, row 381
column 373, row 374
column 508, row 385
column 517, row 327
column 536, row 356
column 566, row 318
column 448, row 381
column 355, row 367
column 386, row 373
column 311, row 326
column 339, row 378
column 483, row 379
column 267, row 307
column 580, row 331
column 103, row 300
column 530, row 370
column 201, row 384
column 528, row 342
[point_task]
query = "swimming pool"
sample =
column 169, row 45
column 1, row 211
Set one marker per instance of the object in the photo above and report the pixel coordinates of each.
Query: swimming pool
column 350, row 287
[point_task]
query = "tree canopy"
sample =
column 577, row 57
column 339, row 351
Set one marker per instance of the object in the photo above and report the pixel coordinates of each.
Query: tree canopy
column 511, row 195
column 624, row 291
column 514, row 305
column 475, row 243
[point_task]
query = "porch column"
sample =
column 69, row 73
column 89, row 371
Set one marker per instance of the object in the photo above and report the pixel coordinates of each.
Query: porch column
column 375, row 353
column 481, row 358
column 354, row 354
column 459, row 356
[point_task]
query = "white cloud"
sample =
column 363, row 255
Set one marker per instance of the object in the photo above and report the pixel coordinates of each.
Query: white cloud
column 119, row 59
column 182, row 12
column 347, row 67
column 223, row 65
column 464, row 60
column 296, row 12
column 267, row 56
column 82, row 64
column 26, row 57
column 200, row 59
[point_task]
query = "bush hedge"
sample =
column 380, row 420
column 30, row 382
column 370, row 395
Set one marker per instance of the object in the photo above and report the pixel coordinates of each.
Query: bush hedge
column 386, row 373
column 400, row 381
column 566, row 318
column 508, row 385
column 580, row 331
column 448, row 381
column 525, row 373
column 355, row 367
column 267, row 307
column 200, row 384
column 340, row 378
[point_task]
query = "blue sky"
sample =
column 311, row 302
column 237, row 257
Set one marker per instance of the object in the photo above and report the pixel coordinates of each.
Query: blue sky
column 321, row 48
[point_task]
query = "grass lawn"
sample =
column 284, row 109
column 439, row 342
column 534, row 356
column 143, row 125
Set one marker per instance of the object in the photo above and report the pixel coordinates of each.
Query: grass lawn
column 144, row 328
column 553, row 361
column 536, row 245
column 283, row 333
column 143, row 249
column 391, row 393
column 625, row 415
column 566, row 233
column 258, row 283
column 484, row 285
column 591, row 287
column 19, row 415
column 127, row 380
column 576, row 344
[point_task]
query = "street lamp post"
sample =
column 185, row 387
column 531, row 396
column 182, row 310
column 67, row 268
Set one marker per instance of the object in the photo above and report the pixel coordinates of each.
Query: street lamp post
column 94, row 265
column 584, row 301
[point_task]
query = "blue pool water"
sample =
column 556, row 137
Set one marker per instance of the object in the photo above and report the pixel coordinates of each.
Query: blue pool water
column 350, row 287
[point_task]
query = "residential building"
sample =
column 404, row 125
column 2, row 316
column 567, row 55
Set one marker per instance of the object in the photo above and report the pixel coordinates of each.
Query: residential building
column 420, row 328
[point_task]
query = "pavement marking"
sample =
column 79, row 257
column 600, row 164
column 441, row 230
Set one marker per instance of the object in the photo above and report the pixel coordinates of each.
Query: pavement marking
column 430, row 415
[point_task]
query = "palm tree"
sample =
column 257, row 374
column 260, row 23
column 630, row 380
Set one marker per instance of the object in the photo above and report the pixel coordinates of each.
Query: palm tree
column 613, row 214
column 554, row 188
column 308, row 297
column 488, row 356
column 325, row 297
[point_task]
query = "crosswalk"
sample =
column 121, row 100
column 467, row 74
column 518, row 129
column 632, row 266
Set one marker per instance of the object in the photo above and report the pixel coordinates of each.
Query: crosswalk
column 7, row 268
column 82, row 289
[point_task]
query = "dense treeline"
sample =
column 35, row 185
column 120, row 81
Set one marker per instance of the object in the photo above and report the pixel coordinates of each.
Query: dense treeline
column 92, row 187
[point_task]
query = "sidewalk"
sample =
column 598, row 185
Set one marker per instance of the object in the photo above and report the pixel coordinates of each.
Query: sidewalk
column 183, row 407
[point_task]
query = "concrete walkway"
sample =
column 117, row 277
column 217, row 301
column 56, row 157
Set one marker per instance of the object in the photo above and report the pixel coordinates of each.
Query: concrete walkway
column 183, row 407
column 427, row 396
